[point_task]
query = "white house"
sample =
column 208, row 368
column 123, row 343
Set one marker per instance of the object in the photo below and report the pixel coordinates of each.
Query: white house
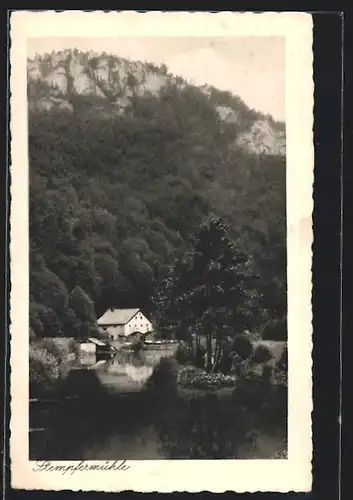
column 123, row 323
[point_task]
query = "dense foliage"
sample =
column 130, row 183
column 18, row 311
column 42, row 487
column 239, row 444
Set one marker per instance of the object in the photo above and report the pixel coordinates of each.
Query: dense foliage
column 115, row 201
column 49, row 364
column 211, row 294
column 201, row 415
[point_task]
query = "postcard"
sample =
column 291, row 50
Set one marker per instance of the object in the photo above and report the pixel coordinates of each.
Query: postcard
column 161, row 232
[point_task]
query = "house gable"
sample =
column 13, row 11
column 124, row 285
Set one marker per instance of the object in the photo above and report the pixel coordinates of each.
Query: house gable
column 122, row 323
column 139, row 317
column 138, row 323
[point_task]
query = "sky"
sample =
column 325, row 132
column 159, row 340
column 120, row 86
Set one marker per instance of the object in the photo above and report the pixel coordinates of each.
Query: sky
column 250, row 67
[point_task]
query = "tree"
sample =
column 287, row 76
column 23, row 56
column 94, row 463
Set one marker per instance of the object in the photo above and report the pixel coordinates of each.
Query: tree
column 72, row 325
column 44, row 321
column 210, row 292
column 82, row 306
column 48, row 289
column 140, row 183
column 167, row 318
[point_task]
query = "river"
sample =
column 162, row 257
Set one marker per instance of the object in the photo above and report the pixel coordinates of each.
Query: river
column 104, row 413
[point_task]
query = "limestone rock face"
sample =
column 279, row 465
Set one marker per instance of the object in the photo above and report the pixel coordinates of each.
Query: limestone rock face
column 263, row 138
column 59, row 79
column 227, row 114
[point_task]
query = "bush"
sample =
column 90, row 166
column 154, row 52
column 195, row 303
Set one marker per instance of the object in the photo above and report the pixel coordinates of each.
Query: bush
column 82, row 382
column 240, row 366
column 49, row 363
column 59, row 348
column 44, row 370
column 163, row 380
column 183, row 355
column 62, row 348
column 74, row 346
column 262, row 354
column 242, row 346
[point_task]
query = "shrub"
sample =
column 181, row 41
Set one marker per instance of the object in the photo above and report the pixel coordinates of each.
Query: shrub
column 49, row 363
column 82, row 382
column 44, row 370
column 240, row 366
column 163, row 380
column 183, row 355
column 59, row 348
column 262, row 354
column 73, row 346
column 242, row 346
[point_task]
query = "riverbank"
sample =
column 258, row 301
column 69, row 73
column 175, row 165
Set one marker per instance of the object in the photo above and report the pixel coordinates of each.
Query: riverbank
column 52, row 359
column 138, row 406
column 103, row 425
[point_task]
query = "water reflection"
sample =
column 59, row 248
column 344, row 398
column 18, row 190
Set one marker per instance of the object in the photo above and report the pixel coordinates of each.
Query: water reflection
column 86, row 360
column 126, row 370
column 123, row 421
column 132, row 366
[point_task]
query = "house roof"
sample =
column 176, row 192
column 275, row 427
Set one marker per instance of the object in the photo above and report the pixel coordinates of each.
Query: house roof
column 117, row 316
column 96, row 342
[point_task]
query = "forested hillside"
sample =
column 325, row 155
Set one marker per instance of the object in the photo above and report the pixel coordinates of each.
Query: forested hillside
column 120, row 180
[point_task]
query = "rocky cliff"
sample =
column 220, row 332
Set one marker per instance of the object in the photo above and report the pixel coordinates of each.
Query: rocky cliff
column 105, row 84
column 126, row 161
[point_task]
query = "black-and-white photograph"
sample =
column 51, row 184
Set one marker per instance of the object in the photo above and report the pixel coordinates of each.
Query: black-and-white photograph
column 158, row 258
